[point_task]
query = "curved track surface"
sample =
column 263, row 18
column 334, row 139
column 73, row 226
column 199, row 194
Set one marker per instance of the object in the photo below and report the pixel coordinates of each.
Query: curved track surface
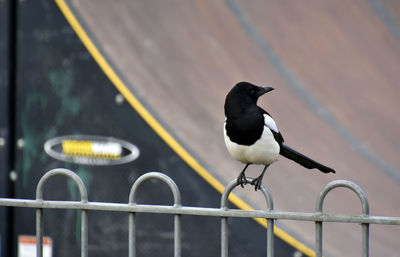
column 336, row 70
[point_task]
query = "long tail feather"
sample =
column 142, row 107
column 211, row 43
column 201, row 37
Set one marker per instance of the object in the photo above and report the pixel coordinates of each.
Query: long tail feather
column 303, row 160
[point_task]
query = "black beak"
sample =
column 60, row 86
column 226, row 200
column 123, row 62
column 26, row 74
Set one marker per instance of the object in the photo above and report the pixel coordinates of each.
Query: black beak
column 263, row 90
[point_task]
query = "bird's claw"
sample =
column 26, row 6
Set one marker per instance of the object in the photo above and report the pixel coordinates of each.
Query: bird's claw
column 257, row 182
column 241, row 180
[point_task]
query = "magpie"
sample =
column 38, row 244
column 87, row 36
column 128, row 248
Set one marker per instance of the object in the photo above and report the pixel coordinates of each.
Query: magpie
column 251, row 135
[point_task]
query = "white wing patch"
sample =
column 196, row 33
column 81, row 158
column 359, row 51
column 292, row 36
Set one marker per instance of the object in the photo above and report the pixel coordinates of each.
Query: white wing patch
column 270, row 123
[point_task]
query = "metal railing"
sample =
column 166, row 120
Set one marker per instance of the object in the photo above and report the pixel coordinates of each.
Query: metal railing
column 131, row 208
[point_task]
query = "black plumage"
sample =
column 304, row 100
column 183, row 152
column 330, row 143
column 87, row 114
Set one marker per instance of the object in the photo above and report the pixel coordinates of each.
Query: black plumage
column 251, row 135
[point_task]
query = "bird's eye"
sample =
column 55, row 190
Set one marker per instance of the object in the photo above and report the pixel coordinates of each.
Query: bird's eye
column 252, row 92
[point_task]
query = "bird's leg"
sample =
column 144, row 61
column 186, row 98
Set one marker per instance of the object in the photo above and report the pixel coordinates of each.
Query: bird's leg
column 258, row 181
column 241, row 180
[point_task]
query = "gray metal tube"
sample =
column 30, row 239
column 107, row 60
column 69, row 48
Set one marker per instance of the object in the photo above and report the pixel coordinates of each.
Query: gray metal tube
column 177, row 210
column 365, row 240
column 224, row 220
column 177, row 235
column 318, row 239
column 132, row 234
column 159, row 176
column 270, row 237
column 64, row 172
column 39, row 232
column 177, row 204
column 365, row 211
column 233, row 184
column 39, row 212
column 201, row 211
column 84, row 234
column 224, row 237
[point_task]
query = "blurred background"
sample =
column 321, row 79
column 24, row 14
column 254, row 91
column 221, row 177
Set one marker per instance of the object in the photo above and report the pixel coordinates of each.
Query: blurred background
column 335, row 67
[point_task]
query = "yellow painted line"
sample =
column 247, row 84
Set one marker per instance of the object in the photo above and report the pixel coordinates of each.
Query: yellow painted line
column 161, row 131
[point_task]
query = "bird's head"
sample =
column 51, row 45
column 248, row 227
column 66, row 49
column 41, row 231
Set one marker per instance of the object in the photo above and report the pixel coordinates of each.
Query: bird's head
column 248, row 91
column 243, row 95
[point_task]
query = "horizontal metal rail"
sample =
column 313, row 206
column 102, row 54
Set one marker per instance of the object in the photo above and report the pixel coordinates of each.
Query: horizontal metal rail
column 200, row 211
column 269, row 215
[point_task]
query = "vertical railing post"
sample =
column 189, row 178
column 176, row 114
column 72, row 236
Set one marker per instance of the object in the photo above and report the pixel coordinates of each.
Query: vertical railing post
column 177, row 217
column 84, row 233
column 39, row 211
column 365, row 211
column 224, row 234
column 132, row 234
column 39, row 232
column 224, row 220
column 318, row 238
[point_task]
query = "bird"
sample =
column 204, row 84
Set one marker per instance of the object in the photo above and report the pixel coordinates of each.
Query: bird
column 251, row 135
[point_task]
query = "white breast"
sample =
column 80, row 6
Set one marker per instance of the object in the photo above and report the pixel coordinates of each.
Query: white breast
column 263, row 151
